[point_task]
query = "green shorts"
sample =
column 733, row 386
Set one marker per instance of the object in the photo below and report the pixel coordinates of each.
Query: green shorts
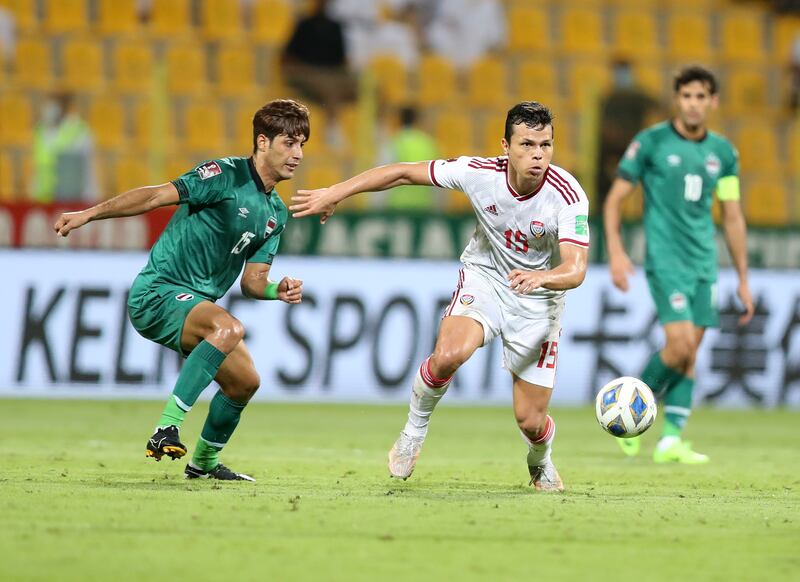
column 684, row 297
column 157, row 312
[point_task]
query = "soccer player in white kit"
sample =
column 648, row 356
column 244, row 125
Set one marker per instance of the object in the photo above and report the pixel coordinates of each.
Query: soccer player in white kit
column 530, row 245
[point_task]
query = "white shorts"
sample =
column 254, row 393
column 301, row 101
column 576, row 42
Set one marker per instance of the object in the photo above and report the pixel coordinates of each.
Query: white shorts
column 530, row 340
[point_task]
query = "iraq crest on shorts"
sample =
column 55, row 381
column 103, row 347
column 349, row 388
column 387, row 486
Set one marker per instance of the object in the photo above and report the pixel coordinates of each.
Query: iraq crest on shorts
column 537, row 228
column 271, row 224
column 713, row 165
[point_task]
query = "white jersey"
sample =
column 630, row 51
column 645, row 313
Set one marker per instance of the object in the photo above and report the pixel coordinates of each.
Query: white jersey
column 516, row 231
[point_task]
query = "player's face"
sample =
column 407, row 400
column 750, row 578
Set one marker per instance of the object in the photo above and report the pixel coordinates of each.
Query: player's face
column 530, row 150
column 284, row 154
column 694, row 102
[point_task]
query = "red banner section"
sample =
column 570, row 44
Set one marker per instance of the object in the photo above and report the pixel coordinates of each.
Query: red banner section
column 31, row 225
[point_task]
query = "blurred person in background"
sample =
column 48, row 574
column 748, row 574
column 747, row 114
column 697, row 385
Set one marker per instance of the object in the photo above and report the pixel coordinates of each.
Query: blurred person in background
column 530, row 246
column 230, row 217
column 411, row 144
column 681, row 165
column 8, row 37
column 465, row 30
column 64, row 167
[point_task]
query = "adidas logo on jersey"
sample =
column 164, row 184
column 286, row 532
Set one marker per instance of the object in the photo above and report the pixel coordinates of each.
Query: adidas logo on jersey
column 492, row 209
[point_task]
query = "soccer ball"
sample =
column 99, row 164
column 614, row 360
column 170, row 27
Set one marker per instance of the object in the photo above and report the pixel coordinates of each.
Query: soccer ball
column 625, row 407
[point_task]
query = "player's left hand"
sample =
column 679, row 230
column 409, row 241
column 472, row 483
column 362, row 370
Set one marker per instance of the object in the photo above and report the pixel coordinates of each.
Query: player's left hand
column 524, row 282
column 747, row 301
column 322, row 201
column 290, row 290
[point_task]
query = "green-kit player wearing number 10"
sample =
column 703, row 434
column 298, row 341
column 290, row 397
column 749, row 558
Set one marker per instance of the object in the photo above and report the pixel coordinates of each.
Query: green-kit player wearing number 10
column 229, row 218
column 681, row 165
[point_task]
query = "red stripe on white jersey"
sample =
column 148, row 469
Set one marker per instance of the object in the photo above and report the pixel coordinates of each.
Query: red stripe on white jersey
column 560, row 190
column 567, row 185
column 572, row 241
column 456, row 293
column 431, row 174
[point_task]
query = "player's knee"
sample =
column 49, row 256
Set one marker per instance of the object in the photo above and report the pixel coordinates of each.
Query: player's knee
column 228, row 334
column 447, row 359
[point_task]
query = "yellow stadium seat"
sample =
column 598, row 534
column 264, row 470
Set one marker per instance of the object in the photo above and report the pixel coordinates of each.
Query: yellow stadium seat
column 66, row 16
column 186, row 69
column 487, row 83
column 272, row 22
column 536, row 80
column 106, row 116
column 587, row 82
column 220, row 19
column 453, row 132
column 564, row 154
column 83, row 65
column 320, row 174
column 243, row 111
column 785, row 31
column 742, row 35
column 582, row 30
column 204, row 127
column 153, row 124
column 529, row 28
column 319, row 123
column 131, row 171
column 758, row 146
column 492, row 130
column 132, row 66
column 33, row 63
column 688, row 36
column 170, row 18
column 176, row 165
column 117, row 17
column 7, row 178
column 236, row 72
column 765, row 202
column 745, row 91
column 649, row 77
column 636, row 34
column 391, row 78
column 16, row 120
column 26, row 16
column 436, row 81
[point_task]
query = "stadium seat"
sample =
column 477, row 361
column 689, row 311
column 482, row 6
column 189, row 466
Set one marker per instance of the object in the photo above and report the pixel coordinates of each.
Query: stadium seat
column 758, row 146
column 765, row 202
column 236, row 71
column 7, row 188
column 153, row 124
column 536, row 80
column 170, row 18
column 746, row 90
column 688, row 36
column 391, row 78
column 33, row 65
column 785, row 30
column 487, row 83
column 106, row 116
column 83, row 65
column 319, row 123
column 453, row 133
column 16, row 120
column 319, row 174
column 437, row 81
column 636, row 34
column 26, row 15
column 130, row 171
column 586, row 82
column 132, row 66
column 65, row 16
column 186, row 69
column 272, row 22
column 492, row 130
column 220, row 19
column 742, row 34
column 648, row 76
column 582, row 30
column 204, row 128
column 117, row 17
column 529, row 28
column 177, row 165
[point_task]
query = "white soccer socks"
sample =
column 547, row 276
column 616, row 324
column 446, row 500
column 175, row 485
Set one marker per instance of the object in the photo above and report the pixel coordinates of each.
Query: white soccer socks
column 426, row 391
column 539, row 449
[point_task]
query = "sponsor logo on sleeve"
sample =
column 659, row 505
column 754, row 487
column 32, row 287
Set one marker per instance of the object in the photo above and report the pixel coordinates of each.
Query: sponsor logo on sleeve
column 632, row 150
column 184, row 297
column 582, row 225
column 537, row 228
column 208, row 170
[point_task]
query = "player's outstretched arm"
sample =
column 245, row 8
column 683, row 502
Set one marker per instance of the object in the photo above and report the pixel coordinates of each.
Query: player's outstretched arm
column 255, row 284
column 323, row 201
column 619, row 263
column 568, row 275
column 735, row 228
column 130, row 203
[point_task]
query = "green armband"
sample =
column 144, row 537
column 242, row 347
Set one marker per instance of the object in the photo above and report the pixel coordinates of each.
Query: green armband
column 728, row 188
column 271, row 291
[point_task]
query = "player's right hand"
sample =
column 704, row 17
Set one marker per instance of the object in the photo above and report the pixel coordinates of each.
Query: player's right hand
column 70, row 221
column 621, row 268
column 322, row 201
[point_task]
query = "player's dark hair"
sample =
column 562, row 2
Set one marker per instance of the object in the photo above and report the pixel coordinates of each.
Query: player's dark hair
column 281, row 117
column 531, row 113
column 695, row 73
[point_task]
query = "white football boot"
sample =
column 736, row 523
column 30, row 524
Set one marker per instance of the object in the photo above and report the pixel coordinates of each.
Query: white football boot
column 404, row 454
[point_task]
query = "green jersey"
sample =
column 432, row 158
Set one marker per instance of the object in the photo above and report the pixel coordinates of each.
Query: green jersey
column 679, row 177
column 225, row 218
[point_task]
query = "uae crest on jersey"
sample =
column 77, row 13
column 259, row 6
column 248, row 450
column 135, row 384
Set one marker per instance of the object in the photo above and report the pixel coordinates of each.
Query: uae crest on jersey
column 537, row 228
column 713, row 165
column 271, row 224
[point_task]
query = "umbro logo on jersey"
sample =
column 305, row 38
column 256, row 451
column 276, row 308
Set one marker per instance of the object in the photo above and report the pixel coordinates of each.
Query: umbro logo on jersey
column 208, row 170
column 184, row 296
column 492, row 209
column 674, row 160
column 243, row 212
column 271, row 224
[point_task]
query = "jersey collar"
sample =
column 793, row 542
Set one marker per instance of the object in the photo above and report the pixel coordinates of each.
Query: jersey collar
column 684, row 138
column 256, row 178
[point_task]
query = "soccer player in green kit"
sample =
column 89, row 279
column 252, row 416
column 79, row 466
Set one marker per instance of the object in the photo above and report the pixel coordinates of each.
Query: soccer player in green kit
column 229, row 217
column 680, row 164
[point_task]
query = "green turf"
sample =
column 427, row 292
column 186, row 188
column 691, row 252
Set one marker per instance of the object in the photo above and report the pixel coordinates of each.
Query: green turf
column 79, row 501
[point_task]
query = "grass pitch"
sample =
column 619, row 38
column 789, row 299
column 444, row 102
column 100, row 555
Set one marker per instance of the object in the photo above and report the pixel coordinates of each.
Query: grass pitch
column 79, row 501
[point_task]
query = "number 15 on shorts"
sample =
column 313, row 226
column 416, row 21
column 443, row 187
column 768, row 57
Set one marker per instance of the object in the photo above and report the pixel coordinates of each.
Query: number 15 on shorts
column 549, row 355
